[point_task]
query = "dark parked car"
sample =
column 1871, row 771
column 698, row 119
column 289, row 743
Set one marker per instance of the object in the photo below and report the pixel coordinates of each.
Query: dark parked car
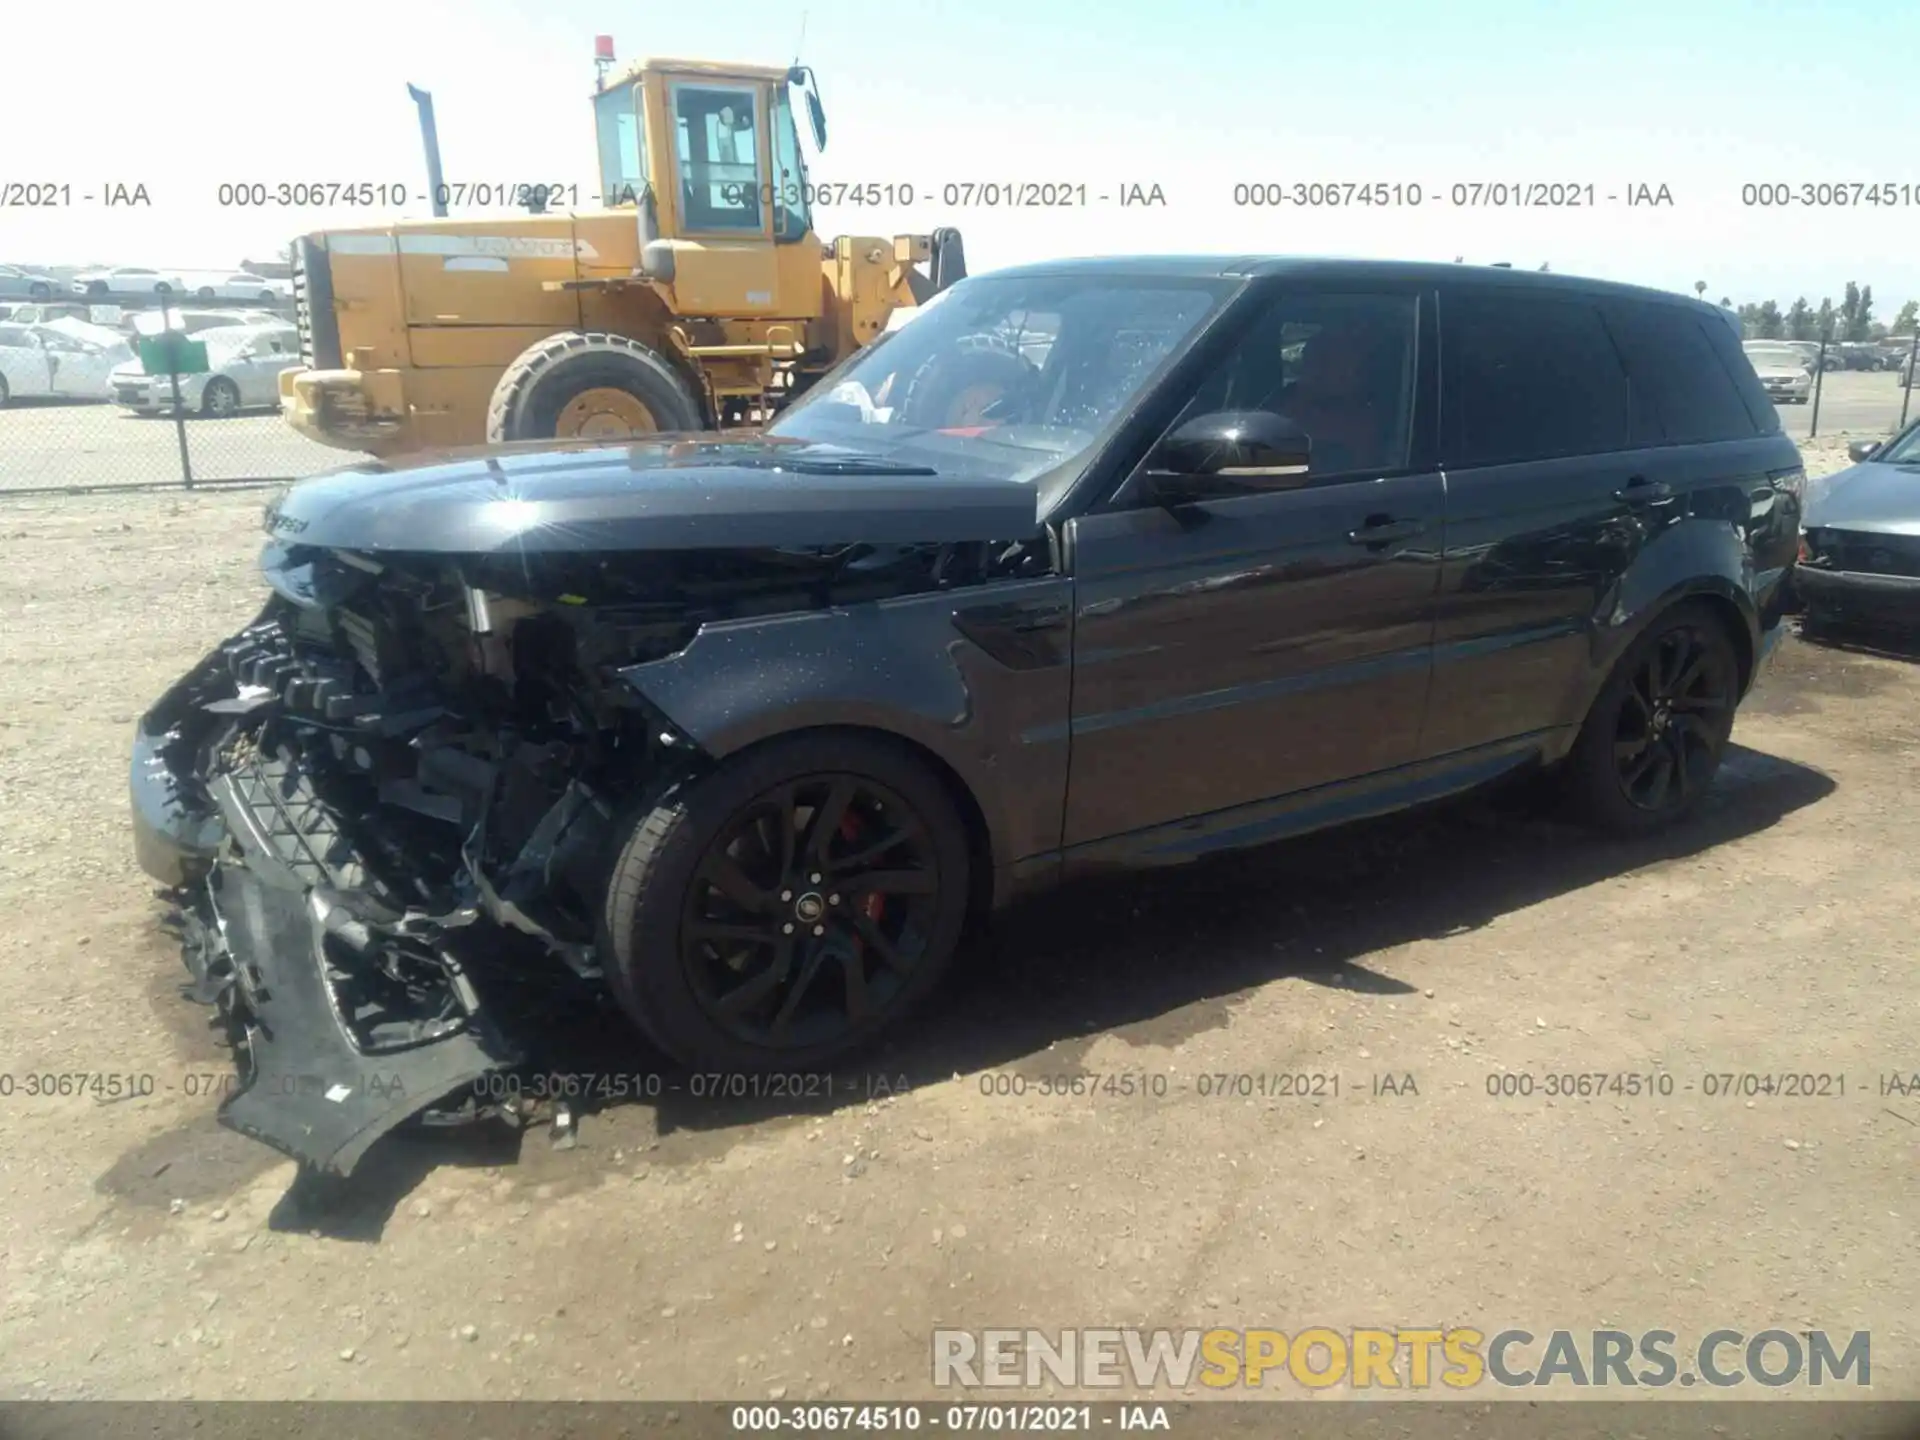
column 1861, row 561
column 1089, row 564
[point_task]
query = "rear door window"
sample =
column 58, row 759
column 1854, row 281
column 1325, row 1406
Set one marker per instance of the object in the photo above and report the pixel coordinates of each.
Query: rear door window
column 1690, row 382
column 1527, row 377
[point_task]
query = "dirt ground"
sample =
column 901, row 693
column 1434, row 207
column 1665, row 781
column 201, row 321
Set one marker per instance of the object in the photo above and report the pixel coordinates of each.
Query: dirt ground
column 730, row 1250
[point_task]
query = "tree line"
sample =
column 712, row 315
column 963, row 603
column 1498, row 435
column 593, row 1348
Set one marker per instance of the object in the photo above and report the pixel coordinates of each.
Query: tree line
column 1851, row 320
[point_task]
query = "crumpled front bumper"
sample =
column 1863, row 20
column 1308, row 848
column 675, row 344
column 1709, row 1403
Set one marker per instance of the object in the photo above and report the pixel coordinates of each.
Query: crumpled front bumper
column 269, row 940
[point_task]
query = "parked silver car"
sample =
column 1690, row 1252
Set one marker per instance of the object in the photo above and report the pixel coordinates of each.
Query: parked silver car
column 18, row 284
column 1782, row 371
column 244, row 364
column 1860, row 552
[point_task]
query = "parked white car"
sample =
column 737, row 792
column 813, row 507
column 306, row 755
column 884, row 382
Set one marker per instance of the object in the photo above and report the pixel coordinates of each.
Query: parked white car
column 193, row 321
column 243, row 373
column 67, row 359
column 236, row 286
column 125, row 280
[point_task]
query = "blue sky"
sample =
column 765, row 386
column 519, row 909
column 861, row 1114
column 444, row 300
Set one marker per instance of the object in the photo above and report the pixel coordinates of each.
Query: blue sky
column 1193, row 95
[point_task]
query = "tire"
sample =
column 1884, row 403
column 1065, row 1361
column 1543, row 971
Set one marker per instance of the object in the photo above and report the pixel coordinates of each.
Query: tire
column 550, row 391
column 40, row 290
column 205, row 292
column 221, row 398
column 267, row 297
column 5, row 393
column 953, row 389
column 96, row 287
column 1612, row 784
column 671, row 983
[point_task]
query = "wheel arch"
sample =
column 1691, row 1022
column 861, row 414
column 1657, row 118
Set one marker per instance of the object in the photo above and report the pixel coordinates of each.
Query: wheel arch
column 726, row 704
column 1698, row 561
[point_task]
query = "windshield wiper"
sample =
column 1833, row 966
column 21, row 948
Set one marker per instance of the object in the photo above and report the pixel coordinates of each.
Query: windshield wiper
column 853, row 465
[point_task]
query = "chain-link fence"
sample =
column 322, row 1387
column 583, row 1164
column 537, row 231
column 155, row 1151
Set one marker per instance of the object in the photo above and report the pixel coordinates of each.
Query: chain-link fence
column 79, row 412
column 1857, row 391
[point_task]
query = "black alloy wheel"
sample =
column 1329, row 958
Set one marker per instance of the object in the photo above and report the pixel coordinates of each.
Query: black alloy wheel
column 782, row 910
column 809, row 911
column 1657, row 733
column 1673, row 720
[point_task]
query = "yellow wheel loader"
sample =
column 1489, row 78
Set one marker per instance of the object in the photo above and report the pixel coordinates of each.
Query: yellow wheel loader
column 690, row 293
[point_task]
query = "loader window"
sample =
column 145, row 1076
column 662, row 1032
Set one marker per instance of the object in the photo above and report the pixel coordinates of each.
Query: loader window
column 720, row 180
column 623, row 146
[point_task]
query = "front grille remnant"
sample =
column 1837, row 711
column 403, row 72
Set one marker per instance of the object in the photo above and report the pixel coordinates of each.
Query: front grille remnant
column 1864, row 552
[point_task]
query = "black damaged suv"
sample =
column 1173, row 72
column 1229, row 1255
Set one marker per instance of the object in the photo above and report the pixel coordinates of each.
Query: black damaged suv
column 1090, row 563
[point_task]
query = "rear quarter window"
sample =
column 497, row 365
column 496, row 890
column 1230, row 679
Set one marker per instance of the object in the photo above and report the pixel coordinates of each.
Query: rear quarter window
column 1527, row 377
column 1689, row 379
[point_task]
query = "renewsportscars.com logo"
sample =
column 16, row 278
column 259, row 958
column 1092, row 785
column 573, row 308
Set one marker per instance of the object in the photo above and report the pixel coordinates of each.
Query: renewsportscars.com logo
column 1402, row 1358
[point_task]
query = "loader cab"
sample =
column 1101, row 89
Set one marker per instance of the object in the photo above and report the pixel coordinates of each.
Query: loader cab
column 710, row 158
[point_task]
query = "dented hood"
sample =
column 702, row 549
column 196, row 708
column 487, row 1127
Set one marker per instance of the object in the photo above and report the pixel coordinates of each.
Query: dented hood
column 673, row 492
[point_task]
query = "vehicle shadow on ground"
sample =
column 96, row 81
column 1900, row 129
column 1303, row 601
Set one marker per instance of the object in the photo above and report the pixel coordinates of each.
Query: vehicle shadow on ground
column 1151, row 958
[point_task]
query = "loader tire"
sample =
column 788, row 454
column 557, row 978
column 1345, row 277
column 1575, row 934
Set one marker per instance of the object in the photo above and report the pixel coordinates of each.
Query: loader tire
column 590, row 386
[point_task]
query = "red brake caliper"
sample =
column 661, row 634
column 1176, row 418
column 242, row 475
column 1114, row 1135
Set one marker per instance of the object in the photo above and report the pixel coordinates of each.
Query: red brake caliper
column 875, row 905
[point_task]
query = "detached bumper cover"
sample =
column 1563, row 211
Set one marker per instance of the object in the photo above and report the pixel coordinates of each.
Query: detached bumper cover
column 311, row 1092
column 330, row 1058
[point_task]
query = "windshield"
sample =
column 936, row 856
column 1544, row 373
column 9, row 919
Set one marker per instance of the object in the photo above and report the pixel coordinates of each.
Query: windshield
column 1007, row 377
column 1774, row 355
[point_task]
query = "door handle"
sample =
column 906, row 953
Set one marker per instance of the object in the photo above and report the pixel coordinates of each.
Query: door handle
column 1384, row 530
column 1642, row 491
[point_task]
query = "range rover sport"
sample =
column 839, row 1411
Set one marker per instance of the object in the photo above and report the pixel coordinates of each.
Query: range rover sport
column 1091, row 563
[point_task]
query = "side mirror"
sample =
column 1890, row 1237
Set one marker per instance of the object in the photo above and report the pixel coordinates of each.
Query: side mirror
column 1862, row 450
column 1230, row 452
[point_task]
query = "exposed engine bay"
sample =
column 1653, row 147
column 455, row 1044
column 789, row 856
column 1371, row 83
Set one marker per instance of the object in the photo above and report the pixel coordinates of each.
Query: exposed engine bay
column 388, row 806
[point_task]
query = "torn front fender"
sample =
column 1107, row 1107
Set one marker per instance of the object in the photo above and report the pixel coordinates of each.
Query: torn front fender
column 979, row 678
